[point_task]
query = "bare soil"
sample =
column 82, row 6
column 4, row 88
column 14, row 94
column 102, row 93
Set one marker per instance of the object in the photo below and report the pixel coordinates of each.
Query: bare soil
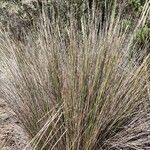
column 12, row 135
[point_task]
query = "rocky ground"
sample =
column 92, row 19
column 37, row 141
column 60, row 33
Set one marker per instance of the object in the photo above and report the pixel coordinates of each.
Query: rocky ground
column 12, row 136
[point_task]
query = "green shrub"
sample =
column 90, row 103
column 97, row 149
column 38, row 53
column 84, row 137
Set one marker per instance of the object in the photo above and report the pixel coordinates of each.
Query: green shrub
column 143, row 33
column 136, row 4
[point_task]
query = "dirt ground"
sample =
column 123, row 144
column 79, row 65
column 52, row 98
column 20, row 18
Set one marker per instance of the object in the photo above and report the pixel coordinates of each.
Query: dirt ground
column 12, row 136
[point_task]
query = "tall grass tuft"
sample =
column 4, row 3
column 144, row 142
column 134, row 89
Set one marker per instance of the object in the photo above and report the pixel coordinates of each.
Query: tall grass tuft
column 77, row 88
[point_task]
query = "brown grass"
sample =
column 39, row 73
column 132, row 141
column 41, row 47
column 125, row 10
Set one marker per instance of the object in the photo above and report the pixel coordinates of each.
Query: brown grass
column 76, row 89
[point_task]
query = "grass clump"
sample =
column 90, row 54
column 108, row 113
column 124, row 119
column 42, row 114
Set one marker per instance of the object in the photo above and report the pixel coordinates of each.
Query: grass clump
column 76, row 89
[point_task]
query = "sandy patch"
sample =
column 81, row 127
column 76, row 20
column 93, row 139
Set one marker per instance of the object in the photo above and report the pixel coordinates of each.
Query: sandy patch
column 12, row 136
